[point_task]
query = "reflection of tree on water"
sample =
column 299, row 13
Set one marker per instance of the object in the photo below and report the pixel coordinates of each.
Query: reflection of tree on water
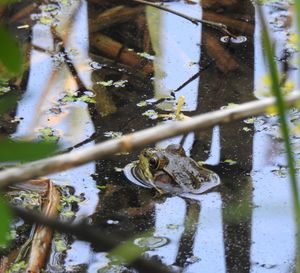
column 185, row 249
column 222, row 82
column 233, row 84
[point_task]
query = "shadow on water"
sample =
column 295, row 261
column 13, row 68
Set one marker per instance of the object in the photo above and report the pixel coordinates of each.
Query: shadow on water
column 141, row 61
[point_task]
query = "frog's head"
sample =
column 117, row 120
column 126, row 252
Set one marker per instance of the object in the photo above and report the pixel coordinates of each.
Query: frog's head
column 151, row 161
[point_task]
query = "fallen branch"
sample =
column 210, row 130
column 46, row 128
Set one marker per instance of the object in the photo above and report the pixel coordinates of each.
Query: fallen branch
column 136, row 140
column 194, row 20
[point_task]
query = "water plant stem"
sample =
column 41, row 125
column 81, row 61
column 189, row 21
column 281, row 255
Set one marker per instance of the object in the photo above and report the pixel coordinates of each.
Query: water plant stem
column 139, row 139
column 282, row 107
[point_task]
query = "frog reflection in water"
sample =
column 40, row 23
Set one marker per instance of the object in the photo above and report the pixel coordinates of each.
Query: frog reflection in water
column 170, row 170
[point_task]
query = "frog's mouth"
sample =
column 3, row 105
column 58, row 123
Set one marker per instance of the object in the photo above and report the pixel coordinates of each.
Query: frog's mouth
column 133, row 174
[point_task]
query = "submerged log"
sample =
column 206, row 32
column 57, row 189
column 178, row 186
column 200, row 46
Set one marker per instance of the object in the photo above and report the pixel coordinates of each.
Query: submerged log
column 217, row 3
column 43, row 235
column 118, row 52
column 236, row 25
column 24, row 12
column 113, row 16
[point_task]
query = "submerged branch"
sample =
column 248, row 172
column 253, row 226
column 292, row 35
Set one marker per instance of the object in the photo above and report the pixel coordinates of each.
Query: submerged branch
column 194, row 20
column 42, row 238
column 99, row 237
column 136, row 140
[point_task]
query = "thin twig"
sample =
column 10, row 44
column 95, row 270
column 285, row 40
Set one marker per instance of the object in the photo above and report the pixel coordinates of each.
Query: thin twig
column 99, row 237
column 191, row 79
column 136, row 140
column 194, row 20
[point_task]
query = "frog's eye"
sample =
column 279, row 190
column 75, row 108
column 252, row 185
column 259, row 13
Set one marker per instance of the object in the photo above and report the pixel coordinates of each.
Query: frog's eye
column 153, row 163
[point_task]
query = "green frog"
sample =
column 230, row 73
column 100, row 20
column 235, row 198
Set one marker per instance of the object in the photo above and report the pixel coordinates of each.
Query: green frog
column 170, row 170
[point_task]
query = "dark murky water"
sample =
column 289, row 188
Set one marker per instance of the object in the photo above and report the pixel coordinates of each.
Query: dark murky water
column 135, row 63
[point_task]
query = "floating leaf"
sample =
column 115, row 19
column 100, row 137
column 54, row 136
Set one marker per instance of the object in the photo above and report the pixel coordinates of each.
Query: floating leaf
column 113, row 134
column 142, row 104
column 101, row 187
column 48, row 134
column 4, row 87
column 70, row 199
column 106, row 83
column 12, row 150
column 68, row 214
column 246, row 129
column 46, row 20
column 60, row 245
column 201, row 163
column 172, row 226
column 151, row 242
column 117, row 169
column 87, row 99
column 230, row 161
column 10, row 54
column 120, row 83
column 69, row 98
column 249, row 120
column 151, row 114
column 18, row 267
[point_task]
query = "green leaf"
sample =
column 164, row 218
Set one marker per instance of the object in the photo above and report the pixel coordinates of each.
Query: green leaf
column 230, row 161
column 48, row 134
column 18, row 267
column 172, row 226
column 70, row 199
column 60, row 246
column 5, row 218
column 10, row 54
column 25, row 151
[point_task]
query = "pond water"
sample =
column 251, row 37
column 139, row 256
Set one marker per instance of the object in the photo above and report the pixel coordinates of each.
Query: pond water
column 101, row 69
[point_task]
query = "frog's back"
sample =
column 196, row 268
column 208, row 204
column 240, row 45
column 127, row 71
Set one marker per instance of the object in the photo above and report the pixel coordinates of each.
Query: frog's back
column 186, row 172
